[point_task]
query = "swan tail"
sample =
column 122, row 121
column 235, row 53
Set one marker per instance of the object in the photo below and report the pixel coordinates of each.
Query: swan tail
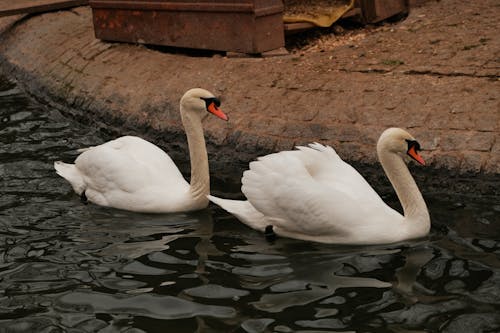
column 82, row 150
column 72, row 175
column 243, row 211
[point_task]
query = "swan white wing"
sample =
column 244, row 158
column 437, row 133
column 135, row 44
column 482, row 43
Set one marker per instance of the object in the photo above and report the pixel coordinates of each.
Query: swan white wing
column 129, row 164
column 293, row 192
column 145, row 152
column 326, row 166
column 300, row 205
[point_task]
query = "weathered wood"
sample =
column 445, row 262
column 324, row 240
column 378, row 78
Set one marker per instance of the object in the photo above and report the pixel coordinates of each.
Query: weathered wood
column 10, row 7
column 378, row 10
column 353, row 12
column 292, row 28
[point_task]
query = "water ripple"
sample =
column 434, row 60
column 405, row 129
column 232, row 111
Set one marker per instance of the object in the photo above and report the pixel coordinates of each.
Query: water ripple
column 149, row 305
column 65, row 266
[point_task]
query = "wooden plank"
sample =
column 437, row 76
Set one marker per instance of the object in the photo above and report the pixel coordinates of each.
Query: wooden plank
column 378, row 10
column 356, row 11
column 292, row 28
column 14, row 7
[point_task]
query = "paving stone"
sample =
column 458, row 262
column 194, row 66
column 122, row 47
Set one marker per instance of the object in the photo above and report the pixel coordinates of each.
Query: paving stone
column 481, row 141
column 435, row 73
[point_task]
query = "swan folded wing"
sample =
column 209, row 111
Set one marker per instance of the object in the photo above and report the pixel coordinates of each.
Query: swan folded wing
column 107, row 169
column 325, row 166
column 146, row 153
column 280, row 187
column 312, row 192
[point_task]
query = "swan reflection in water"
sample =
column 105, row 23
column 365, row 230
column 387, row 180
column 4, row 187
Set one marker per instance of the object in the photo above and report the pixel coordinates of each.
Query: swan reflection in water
column 183, row 254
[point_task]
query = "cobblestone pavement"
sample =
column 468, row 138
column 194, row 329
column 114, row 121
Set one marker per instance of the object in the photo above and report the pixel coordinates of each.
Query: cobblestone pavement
column 435, row 73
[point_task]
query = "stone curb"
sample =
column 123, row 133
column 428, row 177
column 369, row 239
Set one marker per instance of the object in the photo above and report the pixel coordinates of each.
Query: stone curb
column 344, row 97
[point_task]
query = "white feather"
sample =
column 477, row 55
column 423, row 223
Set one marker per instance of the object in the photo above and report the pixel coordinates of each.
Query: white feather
column 312, row 194
column 133, row 174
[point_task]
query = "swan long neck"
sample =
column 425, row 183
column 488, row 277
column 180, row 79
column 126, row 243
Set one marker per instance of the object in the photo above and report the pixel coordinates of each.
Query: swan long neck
column 414, row 207
column 200, row 179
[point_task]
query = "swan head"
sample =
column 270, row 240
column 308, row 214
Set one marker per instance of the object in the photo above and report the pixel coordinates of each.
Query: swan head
column 200, row 101
column 400, row 142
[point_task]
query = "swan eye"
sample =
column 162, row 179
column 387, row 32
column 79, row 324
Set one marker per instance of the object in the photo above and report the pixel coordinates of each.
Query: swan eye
column 212, row 105
column 413, row 144
column 413, row 149
column 210, row 100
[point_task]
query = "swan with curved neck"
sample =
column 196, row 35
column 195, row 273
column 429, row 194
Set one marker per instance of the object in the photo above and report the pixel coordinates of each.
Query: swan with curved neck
column 312, row 194
column 133, row 174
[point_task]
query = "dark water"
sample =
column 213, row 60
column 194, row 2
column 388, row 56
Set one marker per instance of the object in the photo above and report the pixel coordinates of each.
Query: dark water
column 66, row 267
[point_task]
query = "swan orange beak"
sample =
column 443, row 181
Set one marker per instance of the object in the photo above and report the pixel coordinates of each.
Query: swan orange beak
column 415, row 155
column 213, row 109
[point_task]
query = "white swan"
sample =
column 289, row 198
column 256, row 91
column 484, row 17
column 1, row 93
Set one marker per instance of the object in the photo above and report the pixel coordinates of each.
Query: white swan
column 312, row 194
column 133, row 174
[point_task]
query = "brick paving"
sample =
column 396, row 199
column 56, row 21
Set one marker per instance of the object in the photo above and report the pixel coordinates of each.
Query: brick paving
column 435, row 73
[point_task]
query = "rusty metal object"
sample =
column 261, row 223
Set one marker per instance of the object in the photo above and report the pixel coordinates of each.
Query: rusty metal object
column 247, row 26
column 9, row 7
